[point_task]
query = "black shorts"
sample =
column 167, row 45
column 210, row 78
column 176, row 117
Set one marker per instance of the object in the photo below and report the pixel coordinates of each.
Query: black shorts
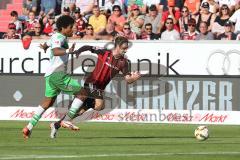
column 93, row 93
column 89, row 103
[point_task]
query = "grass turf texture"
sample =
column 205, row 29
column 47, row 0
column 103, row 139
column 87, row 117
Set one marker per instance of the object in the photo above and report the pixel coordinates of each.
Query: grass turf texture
column 118, row 141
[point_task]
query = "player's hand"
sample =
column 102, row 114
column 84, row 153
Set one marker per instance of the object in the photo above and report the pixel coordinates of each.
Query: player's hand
column 136, row 75
column 71, row 49
column 44, row 47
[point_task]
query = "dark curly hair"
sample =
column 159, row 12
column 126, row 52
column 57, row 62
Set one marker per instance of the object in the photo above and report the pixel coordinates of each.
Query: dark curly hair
column 64, row 21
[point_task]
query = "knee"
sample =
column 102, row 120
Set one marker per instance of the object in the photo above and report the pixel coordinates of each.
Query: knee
column 82, row 95
column 99, row 107
column 48, row 102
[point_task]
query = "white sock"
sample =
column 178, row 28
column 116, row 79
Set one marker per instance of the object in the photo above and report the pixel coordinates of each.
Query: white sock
column 76, row 104
column 38, row 114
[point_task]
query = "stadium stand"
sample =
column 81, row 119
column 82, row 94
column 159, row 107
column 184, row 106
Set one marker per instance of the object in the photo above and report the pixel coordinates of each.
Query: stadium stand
column 147, row 11
column 6, row 8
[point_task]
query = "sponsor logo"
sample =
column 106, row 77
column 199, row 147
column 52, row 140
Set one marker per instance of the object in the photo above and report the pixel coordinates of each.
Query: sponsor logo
column 130, row 115
column 27, row 114
column 224, row 63
column 213, row 118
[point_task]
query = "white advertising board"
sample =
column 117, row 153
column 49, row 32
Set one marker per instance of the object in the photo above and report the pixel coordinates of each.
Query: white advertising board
column 178, row 57
column 129, row 115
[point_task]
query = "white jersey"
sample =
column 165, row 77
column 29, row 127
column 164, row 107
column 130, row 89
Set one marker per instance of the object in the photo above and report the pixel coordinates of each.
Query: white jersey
column 57, row 63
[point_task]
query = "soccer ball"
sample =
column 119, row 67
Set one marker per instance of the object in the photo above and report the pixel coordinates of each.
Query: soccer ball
column 201, row 133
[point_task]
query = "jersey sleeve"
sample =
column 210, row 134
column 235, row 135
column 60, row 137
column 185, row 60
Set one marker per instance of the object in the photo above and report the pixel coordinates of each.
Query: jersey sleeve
column 56, row 41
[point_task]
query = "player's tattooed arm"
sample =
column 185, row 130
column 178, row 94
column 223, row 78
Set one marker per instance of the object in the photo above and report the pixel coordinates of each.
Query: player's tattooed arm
column 83, row 49
column 130, row 78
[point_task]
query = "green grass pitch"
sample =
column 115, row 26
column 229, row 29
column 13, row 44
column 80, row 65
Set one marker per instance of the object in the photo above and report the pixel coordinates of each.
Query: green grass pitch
column 119, row 141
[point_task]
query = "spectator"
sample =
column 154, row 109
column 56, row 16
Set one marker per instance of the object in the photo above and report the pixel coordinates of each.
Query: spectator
column 183, row 21
column 58, row 9
column 109, row 33
column 80, row 21
column 11, row 34
column 235, row 18
column 36, row 34
column 174, row 4
column 50, row 26
column 72, row 9
column 204, row 33
column 128, row 33
column 110, row 3
column 14, row 19
column 66, row 11
column 231, row 4
column 117, row 19
column 170, row 9
column 154, row 18
column 221, row 19
column 191, row 34
column 30, row 23
column 97, row 20
column 48, row 7
column 136, row 19
column 148, row 3
column 205, row 16
column 130, row 3
column 68, row 3
column 228, row 34
column 76, row 33
column 148, row 34
column 110, row 30
column 89, row 34
column 213, row 6
column 170, row 33
column 193, row 6
column 28, row 6
column 107, row 13
column 86, row 6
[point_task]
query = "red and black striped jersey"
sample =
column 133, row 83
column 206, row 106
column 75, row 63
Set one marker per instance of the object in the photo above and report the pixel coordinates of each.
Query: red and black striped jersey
column 106, row 68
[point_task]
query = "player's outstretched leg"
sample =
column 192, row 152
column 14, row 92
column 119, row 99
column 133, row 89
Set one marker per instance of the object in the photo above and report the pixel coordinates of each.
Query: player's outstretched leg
column 56, row 125
column 66, row 122
column 27, row 130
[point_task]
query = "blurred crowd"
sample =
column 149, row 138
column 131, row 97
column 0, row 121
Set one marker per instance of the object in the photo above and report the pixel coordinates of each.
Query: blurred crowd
column 134, row 19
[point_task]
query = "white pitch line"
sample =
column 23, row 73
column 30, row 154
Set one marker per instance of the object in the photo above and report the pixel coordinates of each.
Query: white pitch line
column 112, row 155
